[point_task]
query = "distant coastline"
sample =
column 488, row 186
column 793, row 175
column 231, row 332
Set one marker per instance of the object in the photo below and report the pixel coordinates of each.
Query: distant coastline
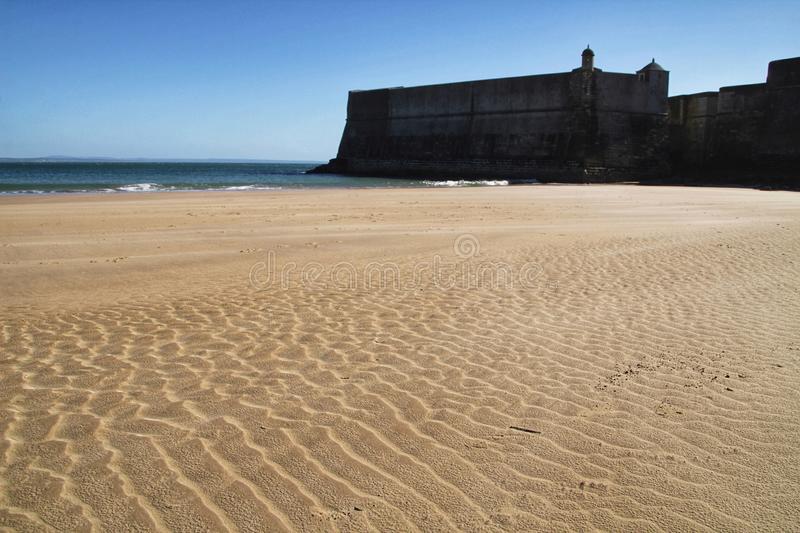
column 68, row 159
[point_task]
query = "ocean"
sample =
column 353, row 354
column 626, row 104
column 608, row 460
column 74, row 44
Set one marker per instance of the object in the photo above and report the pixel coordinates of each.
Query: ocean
column 43, row 177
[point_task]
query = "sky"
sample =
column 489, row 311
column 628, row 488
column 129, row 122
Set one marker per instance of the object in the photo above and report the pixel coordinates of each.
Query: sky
column 269, row 80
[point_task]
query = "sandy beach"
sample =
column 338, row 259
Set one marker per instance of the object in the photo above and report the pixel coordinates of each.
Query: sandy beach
column 482, row 359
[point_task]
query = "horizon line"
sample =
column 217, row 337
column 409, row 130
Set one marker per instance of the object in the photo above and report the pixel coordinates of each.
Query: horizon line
column 101, row 159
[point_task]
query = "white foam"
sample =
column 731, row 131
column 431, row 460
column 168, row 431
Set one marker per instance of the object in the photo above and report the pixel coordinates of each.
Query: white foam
column 25, row 191
column 249, row 188
column 141, row 187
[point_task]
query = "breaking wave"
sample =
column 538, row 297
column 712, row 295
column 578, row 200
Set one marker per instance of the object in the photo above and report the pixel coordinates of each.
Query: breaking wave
column 248, row 188
column 142, row 187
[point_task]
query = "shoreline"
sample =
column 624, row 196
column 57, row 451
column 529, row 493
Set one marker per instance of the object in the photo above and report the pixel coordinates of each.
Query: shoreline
column 247, row 188
column 760, row 185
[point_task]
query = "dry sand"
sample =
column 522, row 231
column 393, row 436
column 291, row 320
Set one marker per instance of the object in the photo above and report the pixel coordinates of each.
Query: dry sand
column 651, row 353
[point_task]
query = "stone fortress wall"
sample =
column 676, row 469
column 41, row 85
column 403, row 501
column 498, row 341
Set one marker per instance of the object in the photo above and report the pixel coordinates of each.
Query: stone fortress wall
column 585, row 125
column 743, row 129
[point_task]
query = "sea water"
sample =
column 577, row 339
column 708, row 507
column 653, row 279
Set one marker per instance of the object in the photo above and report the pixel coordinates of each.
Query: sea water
column 40, row 177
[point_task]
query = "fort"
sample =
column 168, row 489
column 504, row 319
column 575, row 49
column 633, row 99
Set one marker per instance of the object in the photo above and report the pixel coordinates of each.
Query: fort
column 586, row 125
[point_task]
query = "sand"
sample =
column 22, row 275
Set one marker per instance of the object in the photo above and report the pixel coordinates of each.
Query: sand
column 510, row 358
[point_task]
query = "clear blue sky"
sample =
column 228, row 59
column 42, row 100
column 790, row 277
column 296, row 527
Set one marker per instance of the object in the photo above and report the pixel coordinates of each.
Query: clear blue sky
column 269, row 80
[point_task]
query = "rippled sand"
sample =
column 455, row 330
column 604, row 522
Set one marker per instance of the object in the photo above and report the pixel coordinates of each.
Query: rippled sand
column 644, row 375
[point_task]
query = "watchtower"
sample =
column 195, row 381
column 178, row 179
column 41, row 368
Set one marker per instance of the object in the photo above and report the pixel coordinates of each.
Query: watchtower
column 587, row 59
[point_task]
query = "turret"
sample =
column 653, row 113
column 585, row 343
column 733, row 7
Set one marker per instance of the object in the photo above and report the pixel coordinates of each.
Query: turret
column 652, row 71
column 587, row 59
column 657, row 80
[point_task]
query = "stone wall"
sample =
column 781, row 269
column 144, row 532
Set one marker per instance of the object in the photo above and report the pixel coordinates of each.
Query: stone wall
column 740, row 131
column 584, row 125
column 740, row 119
column 780, row 145
column 508, row 119
column 692, row 121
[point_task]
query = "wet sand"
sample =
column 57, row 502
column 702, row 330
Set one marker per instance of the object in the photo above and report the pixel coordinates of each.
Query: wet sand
column 510, row 358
